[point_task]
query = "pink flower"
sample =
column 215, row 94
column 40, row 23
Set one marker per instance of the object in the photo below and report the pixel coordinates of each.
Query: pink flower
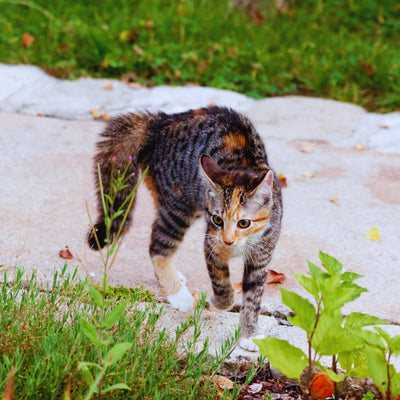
column 130, row 157
column 113, row 158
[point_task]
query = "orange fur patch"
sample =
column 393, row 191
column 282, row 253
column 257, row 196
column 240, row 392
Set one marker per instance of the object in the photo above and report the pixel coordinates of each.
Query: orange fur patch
column 235, row 141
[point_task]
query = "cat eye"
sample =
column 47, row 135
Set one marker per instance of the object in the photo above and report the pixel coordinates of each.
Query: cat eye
column 244, row 223
column 217, row 220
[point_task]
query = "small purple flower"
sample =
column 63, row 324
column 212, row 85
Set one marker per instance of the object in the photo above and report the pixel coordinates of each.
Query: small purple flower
column 130, row 157
column 113, row 158
column 133, row 173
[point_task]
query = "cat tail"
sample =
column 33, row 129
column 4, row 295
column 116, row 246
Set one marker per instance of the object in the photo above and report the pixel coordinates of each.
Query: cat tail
column 117, row 153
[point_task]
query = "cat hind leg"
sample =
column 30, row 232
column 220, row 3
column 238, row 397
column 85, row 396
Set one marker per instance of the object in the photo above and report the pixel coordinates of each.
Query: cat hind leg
column 168, row 231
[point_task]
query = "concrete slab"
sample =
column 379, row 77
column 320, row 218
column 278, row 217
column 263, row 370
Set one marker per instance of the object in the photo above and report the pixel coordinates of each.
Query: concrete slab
column 335, row 194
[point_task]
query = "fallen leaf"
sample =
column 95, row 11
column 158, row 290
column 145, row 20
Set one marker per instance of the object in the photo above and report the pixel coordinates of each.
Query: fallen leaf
column 27, row 40
column 95, row 113
column 384, row 126
column 177, row 74
column 238, row 287
column 107, row 86
column 149, row 24
column 282, row 179
column 334, row 200
column 138, row 50
column 258, row 19
column 66, row 254
column 360, row 147
column 105, row 117
column 223, row 382
column 373, row 234
column 321, row 386
column 308, row 174
column 39, row 115
column 255, row 388
column 275, row 277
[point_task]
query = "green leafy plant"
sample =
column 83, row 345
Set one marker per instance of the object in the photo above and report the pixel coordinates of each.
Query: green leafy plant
column 327, row 332
column 379, row 354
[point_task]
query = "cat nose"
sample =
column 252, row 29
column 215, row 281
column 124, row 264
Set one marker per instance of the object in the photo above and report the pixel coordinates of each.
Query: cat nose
column 228, row 243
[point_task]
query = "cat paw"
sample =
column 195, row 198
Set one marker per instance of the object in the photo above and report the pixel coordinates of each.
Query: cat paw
column 248, row 344
column 181, row 300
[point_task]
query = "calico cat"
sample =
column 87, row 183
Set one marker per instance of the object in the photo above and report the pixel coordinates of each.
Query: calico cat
column 209, row 161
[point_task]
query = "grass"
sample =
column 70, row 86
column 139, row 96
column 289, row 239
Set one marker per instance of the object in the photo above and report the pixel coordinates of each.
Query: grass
column 41, row 336
column 340, row 49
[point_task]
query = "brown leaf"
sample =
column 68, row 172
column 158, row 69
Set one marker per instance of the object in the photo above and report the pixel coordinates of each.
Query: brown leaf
column 321, row 386
column 282, row 179
column 96, row 113
column 9, row 389
column 27, row 40
column 223, row 382
column 66, row 254
column 275, row 277
column 258, row 19
column 106, row 117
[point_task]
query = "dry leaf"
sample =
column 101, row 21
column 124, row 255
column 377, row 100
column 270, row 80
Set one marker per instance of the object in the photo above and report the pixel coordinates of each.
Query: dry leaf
column 9, row 389
column 373, row 234
column 107, row 86
column 255, row 388
column 95, row 113
column 275, row 277
column 105, row 117
column 308, row 174
column 66, row 254
column 258, row 18
column 27, row 40
column 334, row 200
column 238, row 287
column 138, row 50
column 177, row 74
column 223, row 382
column 321, row 386
column 282, row 179
column 360, row 147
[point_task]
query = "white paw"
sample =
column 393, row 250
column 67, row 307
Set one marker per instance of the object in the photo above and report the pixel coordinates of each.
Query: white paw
column 182, row 300
column 248, row 344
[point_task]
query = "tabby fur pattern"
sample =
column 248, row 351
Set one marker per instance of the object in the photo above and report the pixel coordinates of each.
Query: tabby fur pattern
column 209, row 161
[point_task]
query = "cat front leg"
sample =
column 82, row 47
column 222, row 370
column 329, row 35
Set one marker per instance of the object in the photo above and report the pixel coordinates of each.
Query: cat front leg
column 253, row 287
column 168, row 231
column 223, row 294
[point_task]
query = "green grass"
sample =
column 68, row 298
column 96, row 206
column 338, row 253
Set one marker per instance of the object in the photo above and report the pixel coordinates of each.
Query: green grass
column 41, row 335
column 340, row 49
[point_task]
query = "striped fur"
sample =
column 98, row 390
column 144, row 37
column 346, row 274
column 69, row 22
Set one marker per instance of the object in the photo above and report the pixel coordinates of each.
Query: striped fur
column 212, row 161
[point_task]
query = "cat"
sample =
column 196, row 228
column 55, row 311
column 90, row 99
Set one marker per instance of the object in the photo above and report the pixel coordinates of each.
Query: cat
column 210, row 161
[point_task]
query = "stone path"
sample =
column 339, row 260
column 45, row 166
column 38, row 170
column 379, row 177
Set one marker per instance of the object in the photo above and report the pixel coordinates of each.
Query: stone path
column 335, row 192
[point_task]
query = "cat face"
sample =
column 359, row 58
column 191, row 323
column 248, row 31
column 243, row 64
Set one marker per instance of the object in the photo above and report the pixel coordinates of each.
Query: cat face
column 238, row 203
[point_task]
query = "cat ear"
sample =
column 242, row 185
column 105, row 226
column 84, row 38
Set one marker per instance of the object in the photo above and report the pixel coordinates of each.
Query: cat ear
column 213, row 172
column 263, row 190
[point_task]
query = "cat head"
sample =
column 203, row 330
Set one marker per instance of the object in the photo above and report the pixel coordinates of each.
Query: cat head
column 238, row 203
